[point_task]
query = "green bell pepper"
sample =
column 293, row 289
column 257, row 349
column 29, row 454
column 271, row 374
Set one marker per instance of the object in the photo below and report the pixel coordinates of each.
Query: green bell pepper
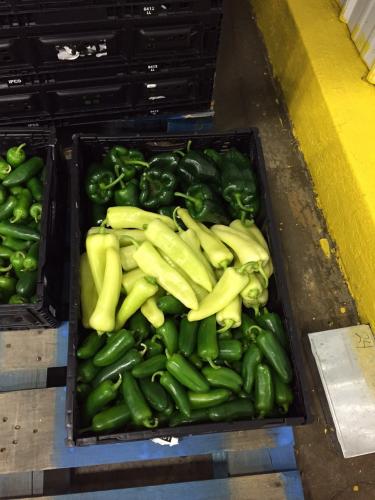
column 165, row 161
column 194, row 167
column 157, row 188
column 239, row 190
column 127, row 195
column 203, row 204
column 16, row 155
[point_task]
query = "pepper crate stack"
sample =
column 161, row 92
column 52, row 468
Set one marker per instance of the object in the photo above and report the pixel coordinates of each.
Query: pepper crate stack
column 181, row 335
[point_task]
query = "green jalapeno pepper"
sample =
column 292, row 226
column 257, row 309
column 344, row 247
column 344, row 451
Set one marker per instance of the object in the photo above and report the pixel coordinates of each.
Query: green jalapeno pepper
column 5, row 169
column 150, row 366
column 232, row 410
column 21, row 210
column 139, row 409
column 196, row 361
column 6, row 209
column 87, row 371
column 264, row 391
column 153, row 348
column 176, row 390
column 26, row 284
column 183, row 371
column 116, row 346
column 208, row 399
column 168, row 334
column 36, row 212
column 31, row 259
column 125, row 363
column 272, row 322
column 111, row 419
column 230, row 350
column 90, row 346
column 170, row 305
column 223, row 377
column 139, row 326
column 18, row 231
column 25, row 172
column 36, row 188
column 100, row 397
column 275, row 354
column 15, row 244
column 196, row 416
column 187, row 338
column 207, row 344
column 283, row 393
column 246, row 327
column 251, row 360
column 17, row 260
column 16, row 155
column 155, row 395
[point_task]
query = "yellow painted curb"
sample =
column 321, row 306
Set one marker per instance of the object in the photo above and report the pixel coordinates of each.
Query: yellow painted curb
column 332, row 108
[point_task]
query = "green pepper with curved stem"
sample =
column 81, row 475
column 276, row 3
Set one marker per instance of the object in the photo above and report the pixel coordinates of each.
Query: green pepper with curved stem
column 127, row 195
column 165, row 161
column 6, row 209
column 139, row 409
column 155, row 395
column 127, row 160
column 264, row 391
column 100, row 397
column 272, row 322
column 31, row 260
column 223, row 377
column 203, row 204
column 251, row 360
column 208, row 399
column 168, row 334
column 118, row 345
column 196, row 416
column 5, row 169
column 246, row 325
column 111, row 419
column 99, row 185
column 230, row 350
column 90, row 346
column 21, row 210
column 170, row 305
column 87, row 371
column 153, row 348
column 183, row 371
column 36, row 211
column 25, row 172
column 125, row 363
column 274, row 353
column 35, row 186
column 283, row 393
column 207, row 345
column 232, row 410
column 239, row 190
column 213, row 156
column 176, row 390
column 16, row 155
column 150, row 366
column 139, row 326
column 187, row 337
column 157, row 188
column 17, row 261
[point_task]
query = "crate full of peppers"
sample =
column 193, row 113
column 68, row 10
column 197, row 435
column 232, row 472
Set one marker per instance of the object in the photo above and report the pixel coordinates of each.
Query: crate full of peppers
column 177, row 320
column 26, row 168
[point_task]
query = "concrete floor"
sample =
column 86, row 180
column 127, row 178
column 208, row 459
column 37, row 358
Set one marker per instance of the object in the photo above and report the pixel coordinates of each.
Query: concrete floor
column 246, row 95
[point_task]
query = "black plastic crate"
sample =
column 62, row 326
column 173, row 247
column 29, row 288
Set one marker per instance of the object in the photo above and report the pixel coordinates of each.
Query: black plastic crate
column 31, row 13
column 131, row 41
column 89, row 148
column 46, row 312
column 125, row 95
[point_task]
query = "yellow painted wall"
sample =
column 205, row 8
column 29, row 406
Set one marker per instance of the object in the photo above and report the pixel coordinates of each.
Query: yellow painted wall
column 333, row 113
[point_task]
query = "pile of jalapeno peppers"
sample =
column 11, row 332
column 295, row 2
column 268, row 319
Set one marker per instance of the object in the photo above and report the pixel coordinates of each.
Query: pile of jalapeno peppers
column 173, row 310
column 21, row 192
column 214, row 187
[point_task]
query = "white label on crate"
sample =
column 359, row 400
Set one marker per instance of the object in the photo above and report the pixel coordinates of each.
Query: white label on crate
column 157, row 97
column 151, row 85
column 80, row 50
column 152, row 67
column 166, row 441
column 15, row 81
column 149, row 10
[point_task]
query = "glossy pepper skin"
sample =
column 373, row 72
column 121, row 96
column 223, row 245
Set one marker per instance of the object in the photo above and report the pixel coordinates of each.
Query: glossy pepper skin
column 157, row 188
column 31, row 259
column 6, row 208
column 272, row 322
column 98, row 185
column 120, row 343
column 5, row 169
column 203, row 204
column 264, row 391
column 15, row 244
column 230, row 350
column 232, row 410
column 17, row 261
column 196, row 416
column 139, row 326
column 208, row 399
column 170, row 305
column 251, row 360
column 127, row 195
column 195, row 167
column 213, row 156
column 26, row 284
column 134, row 398
column 183, row 371
column 90, row 346
column 111, row 419
column 165, row 161
column 275, row 355
column 239, row 190
column 150, row 366
column 207, row 344
column 153, row 348
column 223, row 377
column 176, row 391
column 168, row 334
column 155, row 395
column 24, row 172
column 87, row 371
column 100, row 397
column 35, row 212
column 283, row 393
column 187, row 338
column 16, row 155
column 35, row 186
column 111, row 372
column 21, row 210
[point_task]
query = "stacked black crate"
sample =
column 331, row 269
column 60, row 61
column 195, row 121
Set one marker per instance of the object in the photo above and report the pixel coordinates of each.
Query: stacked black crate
column 67, row 59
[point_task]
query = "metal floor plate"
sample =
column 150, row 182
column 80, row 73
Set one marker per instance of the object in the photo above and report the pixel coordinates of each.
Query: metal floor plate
column 345, row 359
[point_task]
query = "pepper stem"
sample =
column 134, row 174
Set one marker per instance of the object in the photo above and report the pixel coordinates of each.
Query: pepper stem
column 263, row 274
column 117, row 172
column 227, row 326
column 174, row 216
column 150, row 423
column 255, row 327
column 118, row 383
column 21, row 146
column 179, row 152
column 188, row 146
column 237, row 197
column 156, row 374
column 144, row 350
column 186, row 197
column 15, row 219
column 167, row 355
column 212, row 364
column 6, row 170
column 108, row 186
column 137, row 162
column 6, row 269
